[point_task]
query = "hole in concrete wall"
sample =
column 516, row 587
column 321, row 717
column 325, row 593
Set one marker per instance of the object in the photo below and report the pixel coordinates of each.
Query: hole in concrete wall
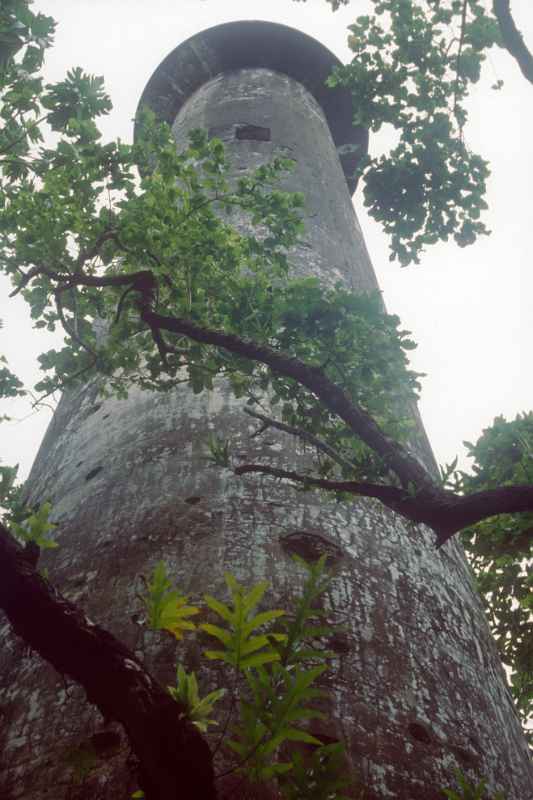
column 106, row 416
column 253, row 133
column 419, row 732
column 94, row 409
column 193, row 500
column 466, row 757
column 78, row 464
column 90, row 475
column 311, row 546
column 339, row 643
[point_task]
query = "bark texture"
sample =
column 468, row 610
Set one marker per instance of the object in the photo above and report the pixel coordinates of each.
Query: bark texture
column 512, row 38
column 174, row 760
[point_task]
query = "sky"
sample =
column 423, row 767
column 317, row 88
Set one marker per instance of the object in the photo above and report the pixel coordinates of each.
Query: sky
column 468, row 309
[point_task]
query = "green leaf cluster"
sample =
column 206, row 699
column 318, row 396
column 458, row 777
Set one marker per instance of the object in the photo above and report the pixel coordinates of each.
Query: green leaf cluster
column 8, row 477
column 36, row 528
column 110, row 210
column 219, row 450
column 27, row 105
column 360, row 348
column 199, row 710
column 281, row 665
column 318, row 775
column 469, row 791
column 10, row 385
column 276, row 659
column 413, row 65
column 217, row 249
column 501, row 549
column 166, row 609
column 243, row 645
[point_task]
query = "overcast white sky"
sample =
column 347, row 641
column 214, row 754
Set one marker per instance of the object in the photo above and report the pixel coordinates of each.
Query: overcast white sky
column 469, row 310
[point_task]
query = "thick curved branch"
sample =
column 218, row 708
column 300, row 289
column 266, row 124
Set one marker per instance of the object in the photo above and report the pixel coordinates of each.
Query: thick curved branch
column 406, row 467
column 445, row 512
column 512, row 38
column 389, row 495
column 175, row 761
column 34, row 272
column 141, row 280
column 471, row 508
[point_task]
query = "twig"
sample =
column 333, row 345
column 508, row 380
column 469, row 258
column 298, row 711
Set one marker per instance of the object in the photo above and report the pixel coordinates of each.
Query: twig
column 458, row 59
column 305, row 435
column 34, row 272
column 92, row 252
column 66, row 325
column 28, row 126
column 71, row 378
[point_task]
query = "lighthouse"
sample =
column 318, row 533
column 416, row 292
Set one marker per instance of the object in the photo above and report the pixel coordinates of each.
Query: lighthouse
column 417, row 688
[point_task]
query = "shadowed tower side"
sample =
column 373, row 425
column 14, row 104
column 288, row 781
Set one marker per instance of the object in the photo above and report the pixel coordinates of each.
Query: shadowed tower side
column 418, row 689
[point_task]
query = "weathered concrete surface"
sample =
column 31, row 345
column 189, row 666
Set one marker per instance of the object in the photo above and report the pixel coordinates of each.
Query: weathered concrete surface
column 417, row 689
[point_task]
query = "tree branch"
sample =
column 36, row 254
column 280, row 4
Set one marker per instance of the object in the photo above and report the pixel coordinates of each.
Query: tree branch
column 512, row 38
column 92, row 252
column 445, row 512
column 269, row 422
column 34, row 272
column 143, row 281
column 175, row 761
column 71, row 332
column 459, row 53
column 390, row 495
column 406, row 467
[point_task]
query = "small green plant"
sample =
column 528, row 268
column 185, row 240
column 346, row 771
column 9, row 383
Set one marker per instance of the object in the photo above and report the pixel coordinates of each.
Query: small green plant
column 36, row 528
column 319, row 775
column 469, row 791
column 199, row 710
column 273, row 659
column 166, row 609
column 243, row 646
column 218, row 451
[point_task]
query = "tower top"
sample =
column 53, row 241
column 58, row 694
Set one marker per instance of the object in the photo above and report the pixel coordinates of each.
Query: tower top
column 254, row 44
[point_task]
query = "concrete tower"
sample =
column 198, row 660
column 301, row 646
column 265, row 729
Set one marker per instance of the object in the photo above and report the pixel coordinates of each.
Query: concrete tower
column 418, row 688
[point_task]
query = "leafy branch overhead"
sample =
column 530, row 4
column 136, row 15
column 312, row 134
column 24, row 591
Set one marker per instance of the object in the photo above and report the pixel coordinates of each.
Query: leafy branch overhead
column 414, row 64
